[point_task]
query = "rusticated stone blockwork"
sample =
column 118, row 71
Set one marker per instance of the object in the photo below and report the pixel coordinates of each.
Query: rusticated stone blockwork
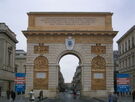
column 88, row 35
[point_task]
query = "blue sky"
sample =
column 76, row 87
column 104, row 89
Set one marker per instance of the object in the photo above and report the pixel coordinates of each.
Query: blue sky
column 14, row 13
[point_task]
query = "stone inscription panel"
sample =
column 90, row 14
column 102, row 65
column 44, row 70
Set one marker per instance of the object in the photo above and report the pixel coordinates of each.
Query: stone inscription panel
column 69, row 21
column 98, row 75
column 41, row 49
column 98, row 49
column 41, row 75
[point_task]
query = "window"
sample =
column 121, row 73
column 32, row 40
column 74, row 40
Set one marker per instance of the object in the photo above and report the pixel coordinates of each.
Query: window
column 126, row 62
column 122, row 48
column 128, row 44
column 16, row 68
column 123, row 64
column 129, row 61
column 9, row 58
column 133, row 42
column 25, row 68
column 120, row 65
column 133, row 60
column 119, row 49
column 125, row 46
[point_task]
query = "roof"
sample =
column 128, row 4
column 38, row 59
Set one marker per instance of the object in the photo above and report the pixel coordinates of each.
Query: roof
column 20, row 51
column 100, row 13
column 5, row 29
column 127, row 33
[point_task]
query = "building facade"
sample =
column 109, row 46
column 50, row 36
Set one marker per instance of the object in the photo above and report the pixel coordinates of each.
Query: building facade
column 76, row 82
column 61, row 83
column 7, row 58
column 126, row 46
column 87, row 35
column 116, row 66
column 20, row 61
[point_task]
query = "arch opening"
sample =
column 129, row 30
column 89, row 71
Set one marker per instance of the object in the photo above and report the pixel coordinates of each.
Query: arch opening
column 69, row 72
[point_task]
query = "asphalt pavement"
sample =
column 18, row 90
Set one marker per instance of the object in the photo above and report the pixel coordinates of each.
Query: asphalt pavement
column 67, row 97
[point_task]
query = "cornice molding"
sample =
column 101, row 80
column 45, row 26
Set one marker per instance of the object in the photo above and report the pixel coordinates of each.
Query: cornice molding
column 35, row 32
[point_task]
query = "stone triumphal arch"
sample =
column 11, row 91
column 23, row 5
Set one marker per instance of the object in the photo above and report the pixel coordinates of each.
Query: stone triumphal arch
column 88, row 35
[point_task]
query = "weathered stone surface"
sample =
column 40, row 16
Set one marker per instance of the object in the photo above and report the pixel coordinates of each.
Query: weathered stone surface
column 83, row 48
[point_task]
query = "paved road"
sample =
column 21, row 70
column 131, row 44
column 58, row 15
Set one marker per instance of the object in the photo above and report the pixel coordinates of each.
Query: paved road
column 69, row 98
column 120, row 99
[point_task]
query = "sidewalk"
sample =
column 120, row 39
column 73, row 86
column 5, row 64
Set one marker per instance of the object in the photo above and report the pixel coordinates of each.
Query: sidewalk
column 120, row 99
column 19, row 98
column 125, row 99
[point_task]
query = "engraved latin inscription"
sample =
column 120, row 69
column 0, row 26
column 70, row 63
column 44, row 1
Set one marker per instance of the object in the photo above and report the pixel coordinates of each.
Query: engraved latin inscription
column 68, row 21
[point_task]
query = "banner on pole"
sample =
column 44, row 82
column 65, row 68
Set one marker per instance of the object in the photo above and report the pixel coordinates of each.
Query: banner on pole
column 123, row 83
column 20, row 82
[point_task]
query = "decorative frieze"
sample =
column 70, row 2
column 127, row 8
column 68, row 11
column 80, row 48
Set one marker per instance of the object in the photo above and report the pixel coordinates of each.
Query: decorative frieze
column 40, row 78
column 98, row 79
column 41, row 49
column 98, row 49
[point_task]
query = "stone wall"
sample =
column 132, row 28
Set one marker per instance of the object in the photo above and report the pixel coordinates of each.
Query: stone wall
column 86, row 57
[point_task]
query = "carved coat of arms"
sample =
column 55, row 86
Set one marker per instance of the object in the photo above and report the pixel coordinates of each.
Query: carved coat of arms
column 70, row 43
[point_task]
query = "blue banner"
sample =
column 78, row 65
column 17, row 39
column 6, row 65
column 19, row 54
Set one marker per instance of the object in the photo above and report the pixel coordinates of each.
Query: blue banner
column 123, row 83
column 123, row 75
column 20, row 74
column 20, row 87
column 20, row 82
column 123, row 88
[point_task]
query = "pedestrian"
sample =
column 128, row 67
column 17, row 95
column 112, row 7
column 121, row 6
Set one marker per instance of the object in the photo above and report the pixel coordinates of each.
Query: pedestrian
column 74, row 94
column 133, row 95
column 32, row 97
column 8, row 94
column 13, row 95
column 41, row 95
column 114, row 97
column 110, row 97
